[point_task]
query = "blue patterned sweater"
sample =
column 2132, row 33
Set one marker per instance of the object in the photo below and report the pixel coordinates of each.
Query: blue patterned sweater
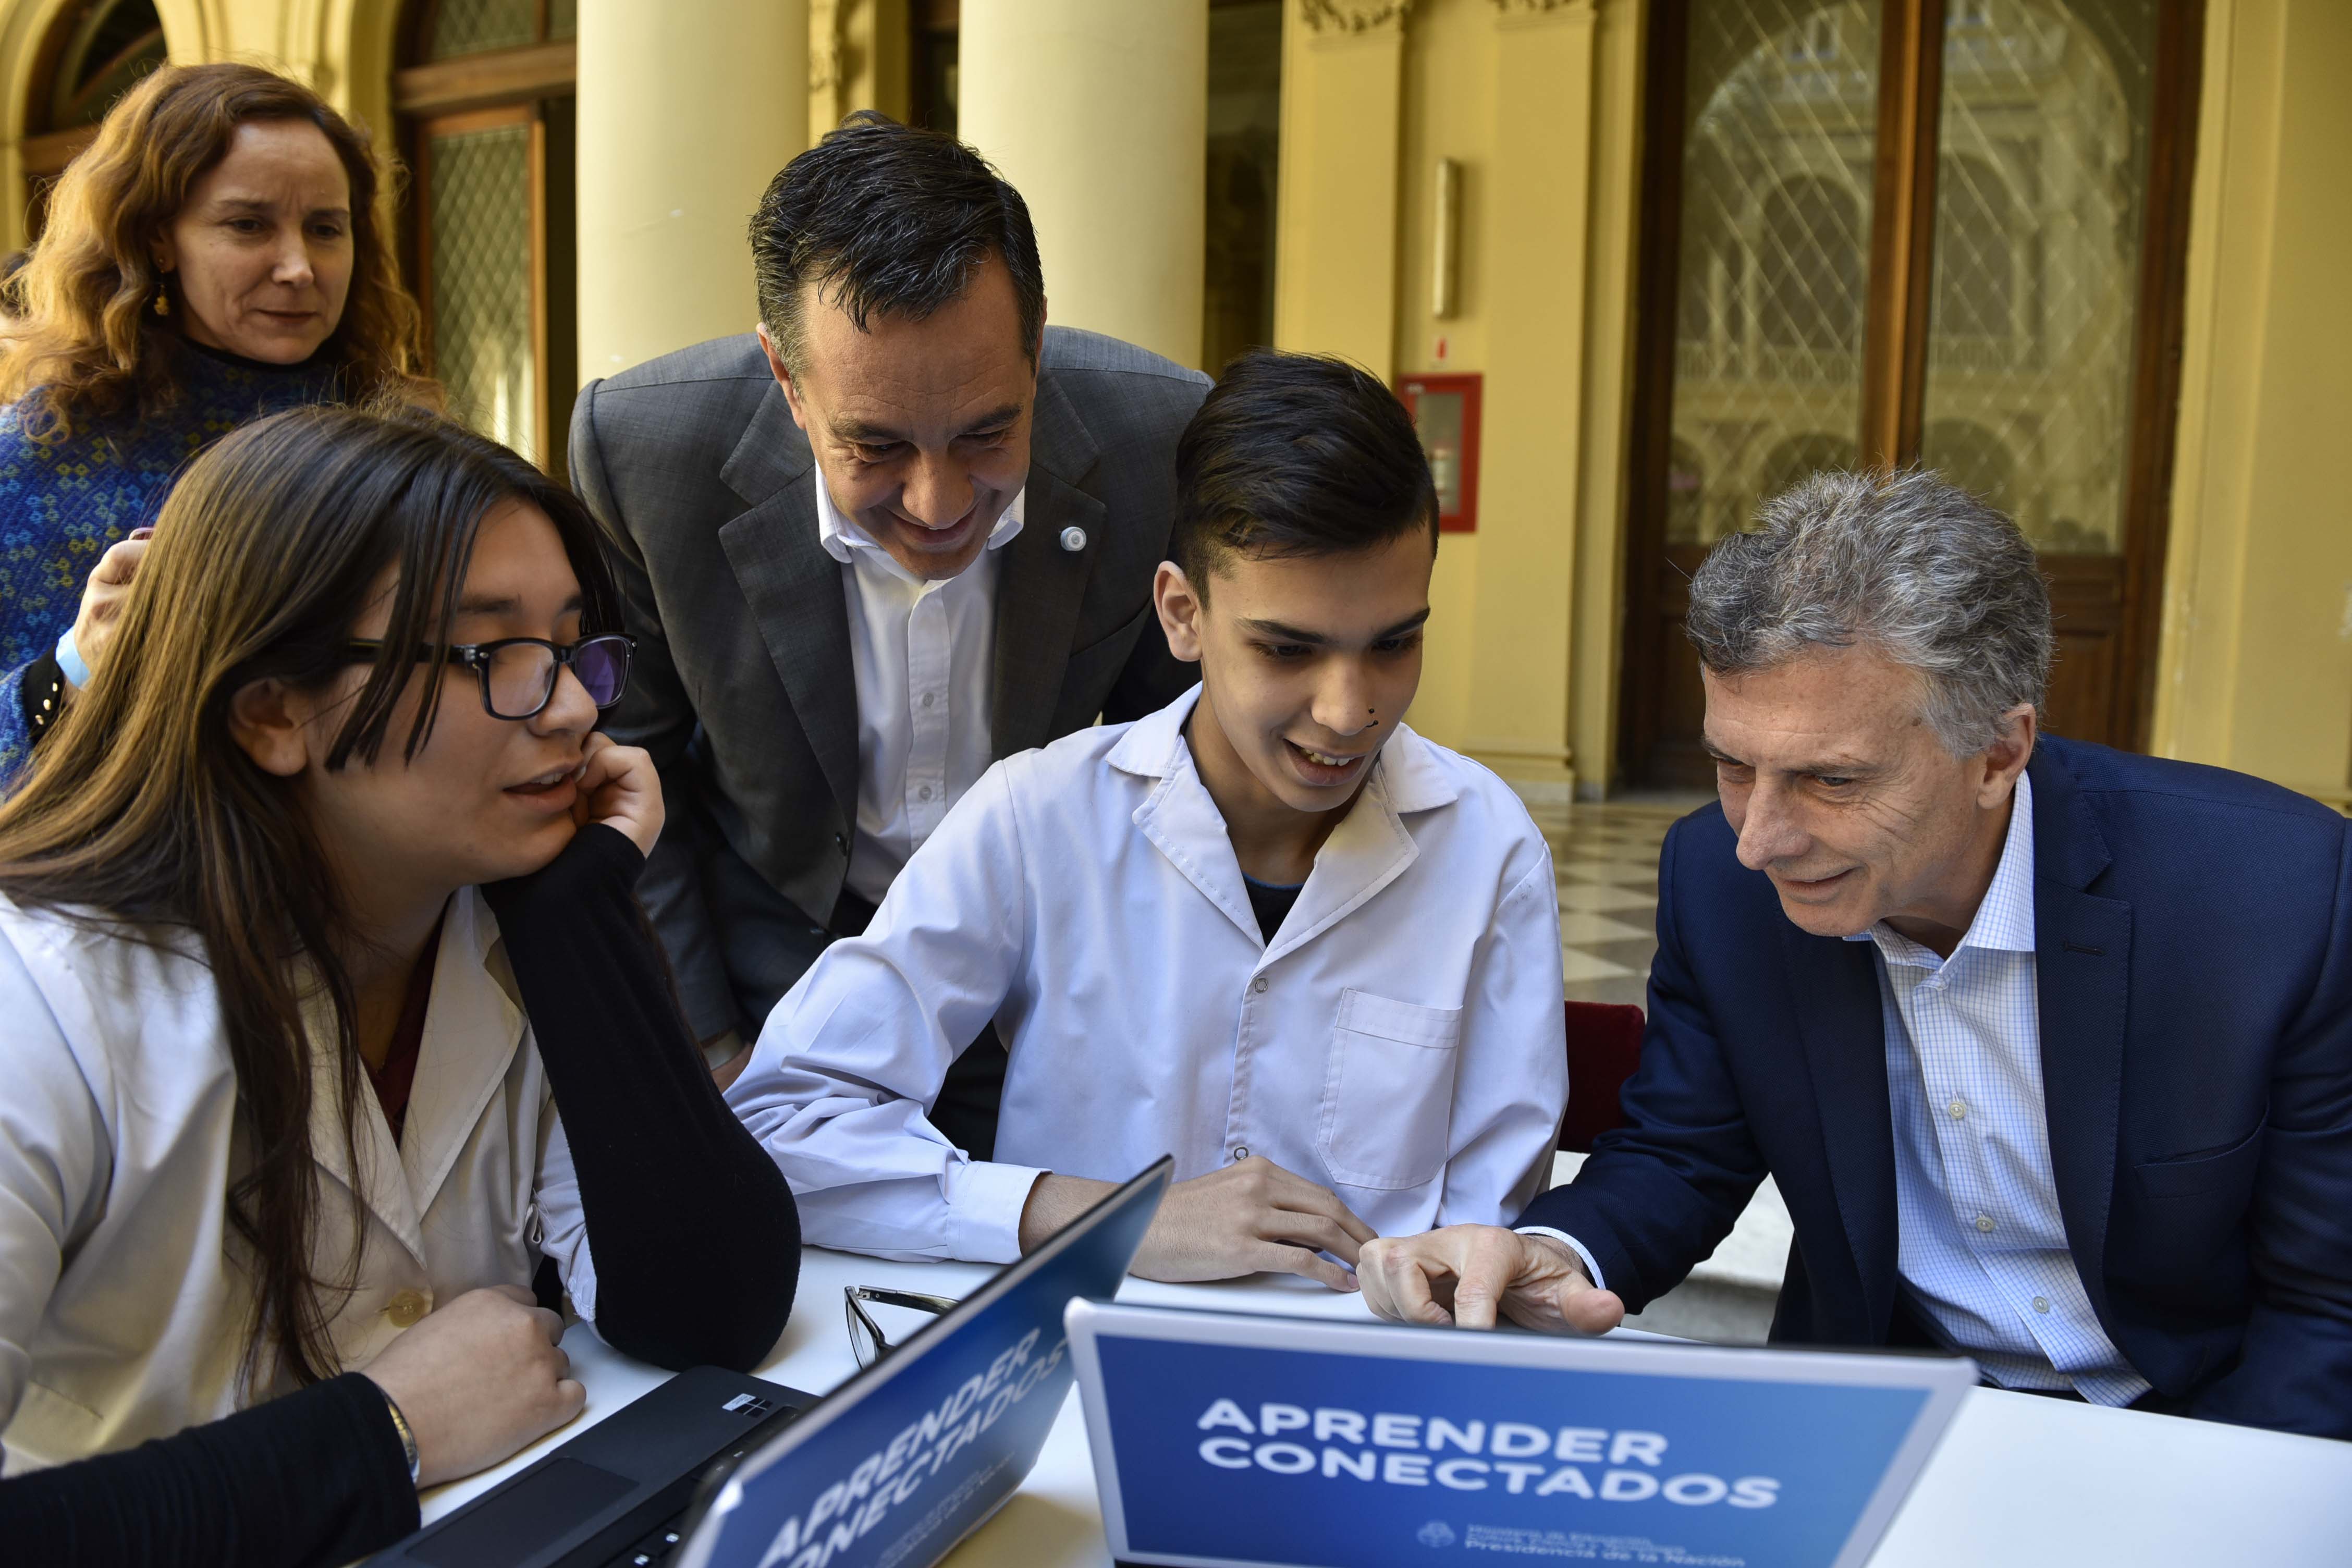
column 63, row 503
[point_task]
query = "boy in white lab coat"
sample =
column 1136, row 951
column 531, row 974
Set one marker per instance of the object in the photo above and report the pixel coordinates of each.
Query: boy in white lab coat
column 1268, row 929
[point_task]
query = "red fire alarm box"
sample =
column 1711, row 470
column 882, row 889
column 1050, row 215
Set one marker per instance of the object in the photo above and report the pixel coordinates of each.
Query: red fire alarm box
column 1445, row 409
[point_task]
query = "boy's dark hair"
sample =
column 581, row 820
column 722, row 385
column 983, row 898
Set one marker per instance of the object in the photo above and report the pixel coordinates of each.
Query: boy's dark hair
column 1296, row 455
column 888, row 220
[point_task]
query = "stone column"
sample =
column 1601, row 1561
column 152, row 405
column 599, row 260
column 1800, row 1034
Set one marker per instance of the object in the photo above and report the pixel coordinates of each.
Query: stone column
column 686, row 113
column 1098, row 112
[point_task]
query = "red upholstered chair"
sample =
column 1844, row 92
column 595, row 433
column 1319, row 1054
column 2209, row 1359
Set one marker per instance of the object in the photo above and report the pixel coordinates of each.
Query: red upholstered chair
column 1605, row 1046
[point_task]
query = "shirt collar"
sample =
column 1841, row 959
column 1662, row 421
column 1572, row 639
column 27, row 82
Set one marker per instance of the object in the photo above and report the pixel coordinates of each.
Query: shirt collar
column 2004, row 920
column 840, row 536
column 1410, row 770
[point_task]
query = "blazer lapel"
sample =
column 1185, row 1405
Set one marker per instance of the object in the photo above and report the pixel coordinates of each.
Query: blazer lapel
column 1835, row 998
column 2082, row 964
column 793, row 588
column 1039, row 584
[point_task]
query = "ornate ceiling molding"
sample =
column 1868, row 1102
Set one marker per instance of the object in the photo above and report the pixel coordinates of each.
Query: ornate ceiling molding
column 825, row 74
column 1563, row 10
column 1353, row 15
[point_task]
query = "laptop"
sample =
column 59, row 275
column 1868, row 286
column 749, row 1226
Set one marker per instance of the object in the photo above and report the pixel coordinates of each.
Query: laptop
column 618, row 1492
column 910, row 1456
column 757, row 1463
column 1230, row 1441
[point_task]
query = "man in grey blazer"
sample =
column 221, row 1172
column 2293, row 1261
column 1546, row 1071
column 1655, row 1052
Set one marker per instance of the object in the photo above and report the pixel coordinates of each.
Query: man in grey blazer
column 901, row 530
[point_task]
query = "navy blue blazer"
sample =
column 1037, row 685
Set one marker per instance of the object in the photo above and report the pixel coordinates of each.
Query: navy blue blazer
column 2193, row 935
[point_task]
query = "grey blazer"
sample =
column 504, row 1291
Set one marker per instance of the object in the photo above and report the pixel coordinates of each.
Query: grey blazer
column 741, row 687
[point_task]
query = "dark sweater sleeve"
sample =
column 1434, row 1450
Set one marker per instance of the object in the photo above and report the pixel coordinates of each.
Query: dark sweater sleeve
column 31, row 697
column 316, row 1478
column 695, row 1237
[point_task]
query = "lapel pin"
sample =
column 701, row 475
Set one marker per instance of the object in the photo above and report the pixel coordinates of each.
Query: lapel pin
column 1074, row 540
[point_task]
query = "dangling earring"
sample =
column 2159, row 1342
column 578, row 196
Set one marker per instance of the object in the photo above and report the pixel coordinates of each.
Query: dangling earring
column 163, row 301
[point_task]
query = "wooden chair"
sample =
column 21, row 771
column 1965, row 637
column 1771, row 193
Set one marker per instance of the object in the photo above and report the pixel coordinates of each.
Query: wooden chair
column 1605, row 1046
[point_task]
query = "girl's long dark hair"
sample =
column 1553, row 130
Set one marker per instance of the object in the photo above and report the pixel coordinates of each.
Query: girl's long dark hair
column 142, row 812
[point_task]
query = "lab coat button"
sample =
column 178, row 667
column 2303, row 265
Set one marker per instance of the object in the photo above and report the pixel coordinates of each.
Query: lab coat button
column 1074, row 540
column 1258, row 985
column 1240, row 1155
column 405, row 1309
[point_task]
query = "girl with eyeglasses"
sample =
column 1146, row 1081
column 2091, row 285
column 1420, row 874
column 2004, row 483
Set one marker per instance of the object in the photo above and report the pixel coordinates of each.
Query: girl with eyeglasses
column 326, row 1014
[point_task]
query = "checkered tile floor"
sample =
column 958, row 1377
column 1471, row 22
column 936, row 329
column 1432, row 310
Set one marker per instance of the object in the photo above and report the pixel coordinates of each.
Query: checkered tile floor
column 1607, row 858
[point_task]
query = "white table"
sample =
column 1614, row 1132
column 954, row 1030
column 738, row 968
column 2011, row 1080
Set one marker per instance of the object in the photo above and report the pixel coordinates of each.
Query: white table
column 2018, row 1480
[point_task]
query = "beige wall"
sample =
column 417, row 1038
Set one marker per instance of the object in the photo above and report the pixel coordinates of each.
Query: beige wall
column 1520, row 670
column 2257, row 654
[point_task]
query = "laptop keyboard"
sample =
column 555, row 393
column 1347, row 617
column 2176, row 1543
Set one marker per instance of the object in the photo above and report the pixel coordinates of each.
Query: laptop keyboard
column 656, row 1547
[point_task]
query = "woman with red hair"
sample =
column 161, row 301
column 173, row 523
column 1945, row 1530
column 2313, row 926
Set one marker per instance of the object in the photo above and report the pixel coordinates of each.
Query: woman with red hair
column 214, row 255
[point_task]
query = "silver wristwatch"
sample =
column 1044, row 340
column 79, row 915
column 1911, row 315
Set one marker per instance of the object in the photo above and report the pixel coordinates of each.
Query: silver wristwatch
column 407, row 1436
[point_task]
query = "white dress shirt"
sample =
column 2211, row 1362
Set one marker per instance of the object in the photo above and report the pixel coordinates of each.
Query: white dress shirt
column 923, row 655
column 123, row 1316
column 1399, row 1040
column 1981, row 1244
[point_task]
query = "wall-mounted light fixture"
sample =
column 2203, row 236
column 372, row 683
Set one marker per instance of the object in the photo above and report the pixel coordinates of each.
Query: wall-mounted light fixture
column 1446, row 264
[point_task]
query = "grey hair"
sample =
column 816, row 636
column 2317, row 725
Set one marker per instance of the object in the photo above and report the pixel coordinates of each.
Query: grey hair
column 1904, row 561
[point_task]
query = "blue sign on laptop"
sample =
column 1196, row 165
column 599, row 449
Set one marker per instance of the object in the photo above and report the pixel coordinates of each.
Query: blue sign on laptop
column 1222, row 1441
column 913, row 1454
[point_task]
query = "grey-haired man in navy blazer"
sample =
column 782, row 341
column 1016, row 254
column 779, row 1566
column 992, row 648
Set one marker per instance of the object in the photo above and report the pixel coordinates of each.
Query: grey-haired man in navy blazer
column 2048, row 1047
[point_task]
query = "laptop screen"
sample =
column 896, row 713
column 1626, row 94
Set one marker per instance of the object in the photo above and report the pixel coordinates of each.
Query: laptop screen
column 1223, row 1441
column 905, row 1459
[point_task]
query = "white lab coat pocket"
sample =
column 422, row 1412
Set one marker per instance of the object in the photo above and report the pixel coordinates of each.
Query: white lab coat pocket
column 1388, row 1093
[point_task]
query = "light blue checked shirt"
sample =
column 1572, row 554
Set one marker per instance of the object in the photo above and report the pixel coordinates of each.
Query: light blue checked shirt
column 1983, row 1245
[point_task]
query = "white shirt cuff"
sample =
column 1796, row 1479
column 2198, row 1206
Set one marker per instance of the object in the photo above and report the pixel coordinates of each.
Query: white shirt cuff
column 1592, row 1270
column 985, row 1203
column 580, row 1281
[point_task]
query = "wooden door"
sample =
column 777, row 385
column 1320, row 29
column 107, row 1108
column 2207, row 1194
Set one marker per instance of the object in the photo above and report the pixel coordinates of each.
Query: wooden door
column 1938, row 231
column 487, row 125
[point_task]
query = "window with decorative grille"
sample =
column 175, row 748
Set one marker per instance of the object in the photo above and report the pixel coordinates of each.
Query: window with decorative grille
column 488, row 127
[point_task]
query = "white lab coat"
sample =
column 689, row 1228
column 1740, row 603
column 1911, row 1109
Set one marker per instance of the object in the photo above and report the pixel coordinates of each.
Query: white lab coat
column 123, row 1316
column 1400, row 1041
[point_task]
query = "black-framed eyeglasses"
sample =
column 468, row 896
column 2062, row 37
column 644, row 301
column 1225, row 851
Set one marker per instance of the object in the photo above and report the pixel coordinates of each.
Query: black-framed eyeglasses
column 868, row 1342
column 518, row 674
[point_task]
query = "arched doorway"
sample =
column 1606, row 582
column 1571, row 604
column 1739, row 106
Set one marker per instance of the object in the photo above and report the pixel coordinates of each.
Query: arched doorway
column 92, row 54
column 486, row 102
column 1923, row 232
